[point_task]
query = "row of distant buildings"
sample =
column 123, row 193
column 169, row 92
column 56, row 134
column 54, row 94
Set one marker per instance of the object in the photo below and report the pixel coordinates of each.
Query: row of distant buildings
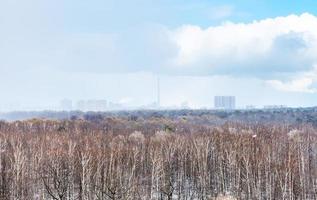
column 99, row 105
column 229, row 103
column 220, row 103
column 84, row 105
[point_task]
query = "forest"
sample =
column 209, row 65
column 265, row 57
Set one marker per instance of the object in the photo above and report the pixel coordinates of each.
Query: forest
column 157, row 157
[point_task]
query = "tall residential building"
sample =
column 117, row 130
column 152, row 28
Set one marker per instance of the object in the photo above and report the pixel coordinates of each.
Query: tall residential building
column 225, row 102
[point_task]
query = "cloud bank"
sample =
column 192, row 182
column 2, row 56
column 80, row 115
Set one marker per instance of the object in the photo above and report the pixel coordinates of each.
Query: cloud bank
column 280, row 51
column 271, row 49
column 283, row 44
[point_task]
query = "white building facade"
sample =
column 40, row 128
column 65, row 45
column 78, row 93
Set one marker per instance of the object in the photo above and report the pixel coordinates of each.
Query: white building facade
column 225, row 102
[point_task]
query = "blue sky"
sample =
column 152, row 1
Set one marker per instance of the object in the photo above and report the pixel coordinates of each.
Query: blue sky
column 121, row 14
column 264, row 52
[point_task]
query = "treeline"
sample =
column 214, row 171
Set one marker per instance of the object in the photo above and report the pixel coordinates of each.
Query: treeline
column 293, row 116
column 79, row 160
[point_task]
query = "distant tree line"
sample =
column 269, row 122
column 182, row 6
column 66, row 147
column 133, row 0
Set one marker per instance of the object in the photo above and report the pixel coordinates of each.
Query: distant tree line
column 294, row 116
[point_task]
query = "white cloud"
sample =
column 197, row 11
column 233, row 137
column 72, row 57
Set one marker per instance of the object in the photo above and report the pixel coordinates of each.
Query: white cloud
column 300, row 83
column 296, row 85
column 261, row 48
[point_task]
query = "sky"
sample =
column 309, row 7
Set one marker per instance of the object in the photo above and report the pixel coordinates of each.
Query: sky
column 264, row 52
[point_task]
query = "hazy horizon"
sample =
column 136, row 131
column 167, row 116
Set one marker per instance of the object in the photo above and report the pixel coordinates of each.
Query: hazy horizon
column 263, row 52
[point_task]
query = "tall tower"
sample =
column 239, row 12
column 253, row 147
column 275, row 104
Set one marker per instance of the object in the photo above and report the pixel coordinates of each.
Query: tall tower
column 158, row 101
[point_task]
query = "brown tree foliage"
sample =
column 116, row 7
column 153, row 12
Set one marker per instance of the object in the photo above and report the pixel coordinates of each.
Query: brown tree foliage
column 42, row 159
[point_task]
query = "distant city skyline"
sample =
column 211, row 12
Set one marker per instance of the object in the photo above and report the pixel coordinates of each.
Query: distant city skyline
column 262, row 52
column 195, row 91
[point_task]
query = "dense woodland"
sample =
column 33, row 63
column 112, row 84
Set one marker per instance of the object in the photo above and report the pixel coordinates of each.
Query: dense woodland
column 156, row 158
column 206, row 117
